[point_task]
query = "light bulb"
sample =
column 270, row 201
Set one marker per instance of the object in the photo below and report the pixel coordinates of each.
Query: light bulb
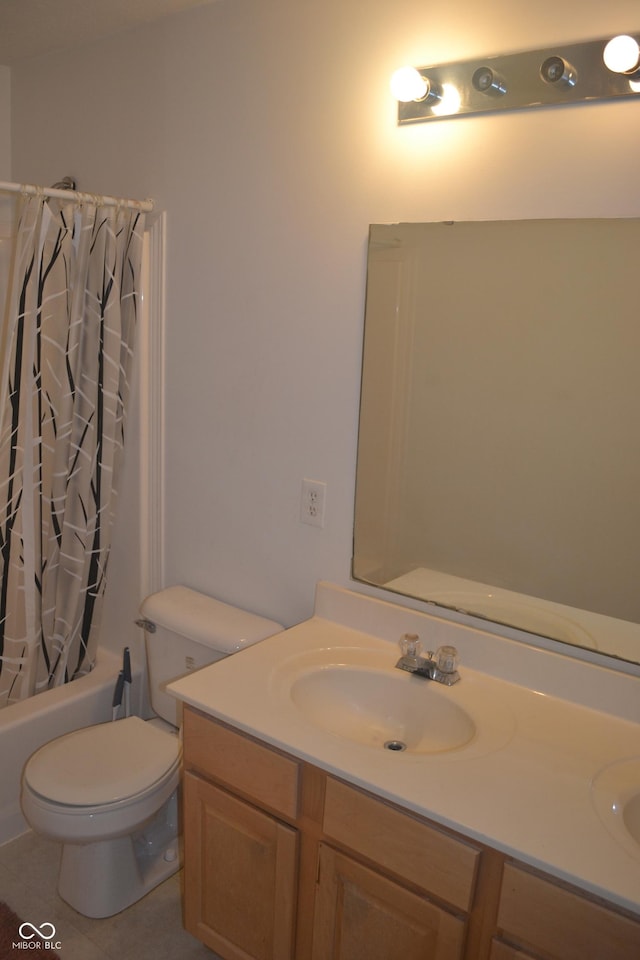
column 408, row 84
column 449, row 102
column 621, row 55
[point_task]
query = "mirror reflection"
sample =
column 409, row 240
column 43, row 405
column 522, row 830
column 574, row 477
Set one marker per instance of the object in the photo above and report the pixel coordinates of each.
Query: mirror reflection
column 498, row 456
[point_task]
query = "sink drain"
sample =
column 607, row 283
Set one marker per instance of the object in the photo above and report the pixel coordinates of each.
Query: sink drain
column 397, row 745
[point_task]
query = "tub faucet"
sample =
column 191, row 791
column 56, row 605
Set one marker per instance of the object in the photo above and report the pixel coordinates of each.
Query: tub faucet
column 441, row 666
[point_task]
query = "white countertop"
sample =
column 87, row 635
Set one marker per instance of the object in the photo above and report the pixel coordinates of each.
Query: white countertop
column 523, row 785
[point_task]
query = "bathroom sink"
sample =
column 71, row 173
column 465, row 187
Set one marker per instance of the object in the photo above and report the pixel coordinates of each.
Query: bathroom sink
column 378, row 708
column 356, row 694
column 616, row 797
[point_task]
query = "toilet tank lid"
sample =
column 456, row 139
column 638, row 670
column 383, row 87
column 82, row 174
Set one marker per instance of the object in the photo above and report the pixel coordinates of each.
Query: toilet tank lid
column 205, row 620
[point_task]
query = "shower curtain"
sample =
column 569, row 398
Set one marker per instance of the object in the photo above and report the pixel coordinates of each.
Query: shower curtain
column 65, row 356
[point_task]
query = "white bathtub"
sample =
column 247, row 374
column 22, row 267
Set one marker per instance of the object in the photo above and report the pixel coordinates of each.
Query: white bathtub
column 25, row 726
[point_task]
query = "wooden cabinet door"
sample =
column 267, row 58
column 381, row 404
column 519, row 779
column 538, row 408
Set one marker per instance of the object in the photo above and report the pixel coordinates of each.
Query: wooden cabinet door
column 240, row 875
column 540, row 915
column 361, row 915
column 502, row 951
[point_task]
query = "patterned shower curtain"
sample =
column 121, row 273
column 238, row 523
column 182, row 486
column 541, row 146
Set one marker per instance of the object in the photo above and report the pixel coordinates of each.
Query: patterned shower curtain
column 65, row 356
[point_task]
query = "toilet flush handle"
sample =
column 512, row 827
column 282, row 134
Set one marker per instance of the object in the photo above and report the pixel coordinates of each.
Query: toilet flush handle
column 147, row 625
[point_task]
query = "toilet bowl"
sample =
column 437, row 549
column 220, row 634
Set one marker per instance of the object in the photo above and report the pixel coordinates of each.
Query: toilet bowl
column 108, row 792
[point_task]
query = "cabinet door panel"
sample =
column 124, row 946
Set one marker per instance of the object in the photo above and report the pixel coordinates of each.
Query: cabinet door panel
column 425, row 856
column 545, row 917
column 502, row 951
column 240, row 875
column 361, row 915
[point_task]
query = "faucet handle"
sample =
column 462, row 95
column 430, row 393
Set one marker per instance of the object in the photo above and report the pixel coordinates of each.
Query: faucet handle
column 447, row 659
column 410, row 645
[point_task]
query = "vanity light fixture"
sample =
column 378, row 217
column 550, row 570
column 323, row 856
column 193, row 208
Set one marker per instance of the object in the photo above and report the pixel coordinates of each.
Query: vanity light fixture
column 571, row 73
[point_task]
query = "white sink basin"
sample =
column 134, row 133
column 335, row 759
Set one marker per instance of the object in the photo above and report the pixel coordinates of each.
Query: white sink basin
column 379, row 708
column 357, row 695
column 616, row 797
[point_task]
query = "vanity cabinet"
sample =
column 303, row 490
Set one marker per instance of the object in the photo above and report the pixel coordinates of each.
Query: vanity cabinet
column 407, row 895
column 241, row 860
column 362, row 915
column 285, row 862
column 539, row 917
column 240, row 888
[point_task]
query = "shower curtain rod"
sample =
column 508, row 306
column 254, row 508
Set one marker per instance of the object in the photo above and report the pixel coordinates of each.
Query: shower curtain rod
column 144, row 206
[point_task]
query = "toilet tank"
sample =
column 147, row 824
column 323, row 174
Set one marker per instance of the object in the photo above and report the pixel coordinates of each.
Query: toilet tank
column 191, row 631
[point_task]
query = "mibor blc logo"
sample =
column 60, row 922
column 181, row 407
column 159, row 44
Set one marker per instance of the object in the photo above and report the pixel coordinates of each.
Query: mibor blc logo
column 28, row 933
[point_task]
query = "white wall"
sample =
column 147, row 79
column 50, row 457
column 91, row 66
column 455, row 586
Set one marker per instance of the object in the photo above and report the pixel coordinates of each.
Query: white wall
column 266, row 131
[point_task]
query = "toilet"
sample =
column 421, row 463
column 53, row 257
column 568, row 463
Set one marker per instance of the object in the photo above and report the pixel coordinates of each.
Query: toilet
column 109, row 792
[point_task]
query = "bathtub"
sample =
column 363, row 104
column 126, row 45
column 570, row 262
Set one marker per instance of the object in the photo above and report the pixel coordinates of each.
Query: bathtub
column 25, row 726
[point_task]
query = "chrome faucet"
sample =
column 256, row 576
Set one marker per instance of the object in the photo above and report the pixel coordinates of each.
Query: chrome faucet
column 441, row 666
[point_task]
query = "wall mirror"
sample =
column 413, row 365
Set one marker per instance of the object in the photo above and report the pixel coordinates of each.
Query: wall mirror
column 499, row 447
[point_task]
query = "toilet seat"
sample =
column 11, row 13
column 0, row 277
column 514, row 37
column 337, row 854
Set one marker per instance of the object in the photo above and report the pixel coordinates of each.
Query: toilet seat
column 108, row 763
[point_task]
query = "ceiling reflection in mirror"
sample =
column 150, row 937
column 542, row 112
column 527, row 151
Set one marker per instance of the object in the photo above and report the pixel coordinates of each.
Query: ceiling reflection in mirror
column 499, row 450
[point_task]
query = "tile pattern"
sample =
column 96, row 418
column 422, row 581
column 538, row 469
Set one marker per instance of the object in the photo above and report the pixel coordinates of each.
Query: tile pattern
column 149, row 930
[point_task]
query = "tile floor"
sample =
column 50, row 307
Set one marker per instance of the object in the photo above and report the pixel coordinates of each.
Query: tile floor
column 149, row 930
